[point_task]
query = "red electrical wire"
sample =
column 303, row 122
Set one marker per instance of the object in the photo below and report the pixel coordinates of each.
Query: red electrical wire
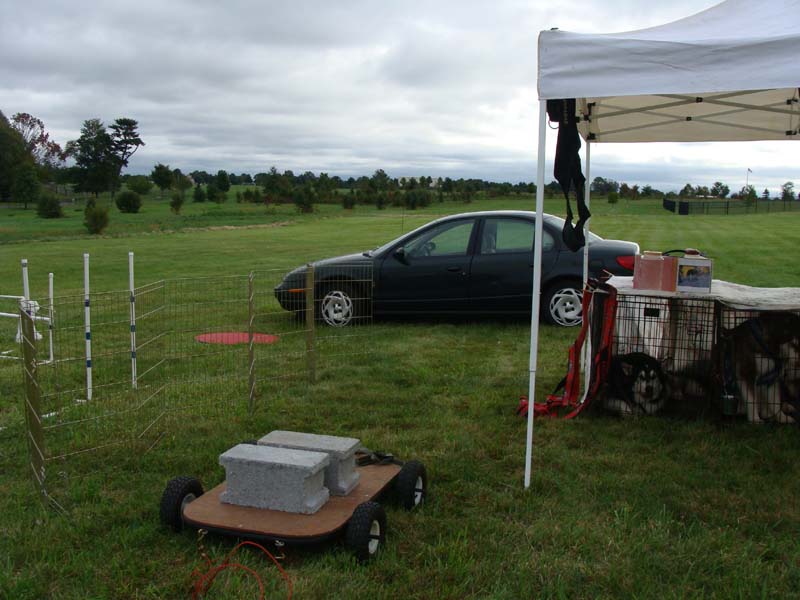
column 203, row 581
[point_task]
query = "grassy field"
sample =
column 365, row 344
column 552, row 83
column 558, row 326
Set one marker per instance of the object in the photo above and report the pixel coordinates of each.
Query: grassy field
column 618, row 508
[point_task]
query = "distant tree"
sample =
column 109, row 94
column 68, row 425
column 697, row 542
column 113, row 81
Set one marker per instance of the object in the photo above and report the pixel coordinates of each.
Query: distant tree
column 95, row 217
column 214, row 194
column 647, row 191
column 44, row 151
column 25, row 187
column 787, row 191
column 128, row 201
column 49, row 206
column 94, row 156
column 304, row 197
column 139, row 184
column 349, row 200
column 624, row 190
column 176, row 202
column 12, row 155
column 223, row 181
column 765, row 194
column 613, row 197
column 182, row 184
column 125, row 141
column 719, row 190
column 687, row 191
column 199, row 194
column 162, row 177
column 200, row 177
column 603, row 186
column 702, row 191
column 325, row 188
column 748, row 193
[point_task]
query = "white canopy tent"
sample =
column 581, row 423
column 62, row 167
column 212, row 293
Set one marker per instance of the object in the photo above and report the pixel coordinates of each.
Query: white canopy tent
column 729, row 73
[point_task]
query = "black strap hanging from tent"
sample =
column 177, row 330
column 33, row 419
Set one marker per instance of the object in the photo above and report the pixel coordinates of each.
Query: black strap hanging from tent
column 567, row 169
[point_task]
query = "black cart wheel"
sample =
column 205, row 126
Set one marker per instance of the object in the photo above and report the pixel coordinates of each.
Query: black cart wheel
column 366, row 531
column 178, row 493
column 411, row 485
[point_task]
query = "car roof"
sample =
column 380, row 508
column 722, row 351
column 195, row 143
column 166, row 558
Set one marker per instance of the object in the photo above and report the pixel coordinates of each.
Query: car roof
column 496, row 213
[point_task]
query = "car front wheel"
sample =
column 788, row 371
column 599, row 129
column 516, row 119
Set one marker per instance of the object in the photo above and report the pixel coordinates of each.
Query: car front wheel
column 338, row 307
column 561, row 304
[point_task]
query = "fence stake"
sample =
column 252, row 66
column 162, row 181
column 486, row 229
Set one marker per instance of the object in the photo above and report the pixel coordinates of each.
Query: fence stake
column 250, row 340
column 311, row 359
column 87, row 326
column 50, row 312
column 133, row 320
column 33, row 409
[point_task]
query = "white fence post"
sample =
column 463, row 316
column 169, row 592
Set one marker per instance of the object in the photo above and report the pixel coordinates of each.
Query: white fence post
column 133, row 319
column 50, row 313
column 87, row 326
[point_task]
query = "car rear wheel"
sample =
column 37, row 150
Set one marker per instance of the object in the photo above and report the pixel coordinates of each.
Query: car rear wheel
column 561, row 304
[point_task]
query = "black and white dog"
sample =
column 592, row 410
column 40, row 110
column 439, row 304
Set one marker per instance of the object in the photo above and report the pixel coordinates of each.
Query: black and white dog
column 765, row 361
column 636, row 385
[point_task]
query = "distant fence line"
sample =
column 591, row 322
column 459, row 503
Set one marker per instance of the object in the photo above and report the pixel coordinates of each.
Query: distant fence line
column 729, row 207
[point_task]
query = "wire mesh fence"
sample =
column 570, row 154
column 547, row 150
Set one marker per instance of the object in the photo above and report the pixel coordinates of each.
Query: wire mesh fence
column 729, row 207
column 126, row 363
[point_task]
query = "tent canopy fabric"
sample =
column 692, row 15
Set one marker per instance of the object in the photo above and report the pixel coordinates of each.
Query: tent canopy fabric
column 729, row 73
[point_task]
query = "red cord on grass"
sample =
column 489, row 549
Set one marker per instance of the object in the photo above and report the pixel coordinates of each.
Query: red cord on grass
column 203, row 581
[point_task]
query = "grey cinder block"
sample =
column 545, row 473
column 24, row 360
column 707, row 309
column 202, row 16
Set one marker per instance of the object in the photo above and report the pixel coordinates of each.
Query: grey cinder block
column 340, row 475
column 275, row 478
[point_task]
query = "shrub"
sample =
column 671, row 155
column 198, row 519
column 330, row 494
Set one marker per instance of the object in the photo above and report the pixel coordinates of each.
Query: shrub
column 49, row 207
column 199, row 194
column 613, row 197
column 129, row 202
column 176, row 202
column 214, row 194
column 140, row 184
column 304, row 197
column 95, row 218
column 349, row 200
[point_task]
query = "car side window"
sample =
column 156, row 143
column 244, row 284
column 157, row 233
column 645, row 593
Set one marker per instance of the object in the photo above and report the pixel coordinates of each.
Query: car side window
column 502, row 236
column 447, row 239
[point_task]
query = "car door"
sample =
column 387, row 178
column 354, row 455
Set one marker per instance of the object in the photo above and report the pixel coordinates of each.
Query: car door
column 428, row 272
column 502, row 267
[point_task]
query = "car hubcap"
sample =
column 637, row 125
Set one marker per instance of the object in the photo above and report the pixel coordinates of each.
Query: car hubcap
column 374, row 537
column 565, row 307
column 337, row 309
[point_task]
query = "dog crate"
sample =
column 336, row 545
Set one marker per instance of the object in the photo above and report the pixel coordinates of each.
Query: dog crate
column 733, row 352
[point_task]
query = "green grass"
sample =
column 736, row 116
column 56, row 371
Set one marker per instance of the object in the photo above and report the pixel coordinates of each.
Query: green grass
column 642, row 508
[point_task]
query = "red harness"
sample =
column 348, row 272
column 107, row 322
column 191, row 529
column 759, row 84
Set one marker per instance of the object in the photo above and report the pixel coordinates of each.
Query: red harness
column 603, row 304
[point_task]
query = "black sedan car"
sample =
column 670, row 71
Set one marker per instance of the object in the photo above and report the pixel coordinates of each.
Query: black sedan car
column 471, row 263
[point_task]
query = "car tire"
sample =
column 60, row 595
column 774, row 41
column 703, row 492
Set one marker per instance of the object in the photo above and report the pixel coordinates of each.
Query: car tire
column 338, row 305
column 178, row 493
column 561, row 304
column 366, row 530
column 411, row 485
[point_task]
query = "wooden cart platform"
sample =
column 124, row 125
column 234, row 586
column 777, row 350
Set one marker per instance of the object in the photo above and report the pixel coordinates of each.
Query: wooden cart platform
column 207, row 512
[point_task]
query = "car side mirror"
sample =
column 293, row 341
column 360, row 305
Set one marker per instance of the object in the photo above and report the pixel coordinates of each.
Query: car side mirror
column 400, row 254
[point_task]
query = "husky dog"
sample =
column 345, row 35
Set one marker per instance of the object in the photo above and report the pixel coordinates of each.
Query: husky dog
column 766, row 365
column 636, row 385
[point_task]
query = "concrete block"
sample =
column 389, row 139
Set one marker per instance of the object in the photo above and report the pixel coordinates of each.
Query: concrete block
column 340, row 475
column 275, row 478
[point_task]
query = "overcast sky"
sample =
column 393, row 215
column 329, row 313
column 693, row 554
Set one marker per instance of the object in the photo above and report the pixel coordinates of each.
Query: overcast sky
column 441, row 87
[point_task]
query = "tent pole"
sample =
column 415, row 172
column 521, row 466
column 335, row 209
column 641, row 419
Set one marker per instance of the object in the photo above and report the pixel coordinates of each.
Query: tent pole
column 587, row 198
column 536, row 290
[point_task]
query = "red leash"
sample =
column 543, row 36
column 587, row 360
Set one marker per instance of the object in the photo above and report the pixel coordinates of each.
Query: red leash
column 202, row 582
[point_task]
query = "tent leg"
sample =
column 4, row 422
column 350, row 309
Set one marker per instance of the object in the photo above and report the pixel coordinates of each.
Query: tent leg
column 536, row 290
column 587, row 196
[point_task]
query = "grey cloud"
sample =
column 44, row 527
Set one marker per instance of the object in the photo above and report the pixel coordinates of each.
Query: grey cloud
column 444, row 88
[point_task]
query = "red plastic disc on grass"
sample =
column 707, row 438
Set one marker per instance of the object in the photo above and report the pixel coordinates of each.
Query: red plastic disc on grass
column 235, row 337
